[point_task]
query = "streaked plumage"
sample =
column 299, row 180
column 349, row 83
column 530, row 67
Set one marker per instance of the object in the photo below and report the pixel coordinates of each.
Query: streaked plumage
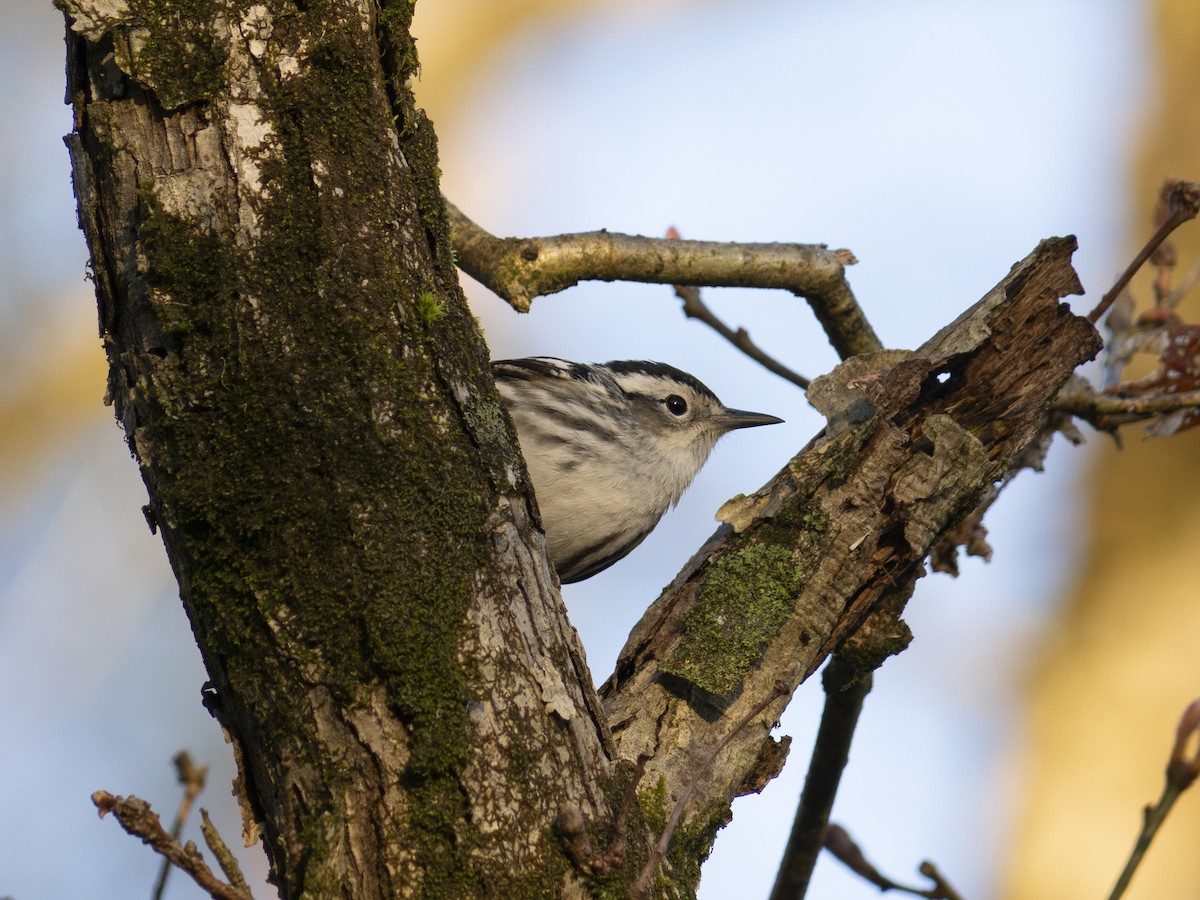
column 610, row 448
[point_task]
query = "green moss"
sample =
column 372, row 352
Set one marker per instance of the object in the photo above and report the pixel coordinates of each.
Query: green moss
column 742, row 603
column 653, row 801
column 395, row 17
column 190, row 271
column 395, row 609
column 257, row 508
column 692, row 845
column 815, row 520
column 181, row 59
column 429, row 308
column 291, row 440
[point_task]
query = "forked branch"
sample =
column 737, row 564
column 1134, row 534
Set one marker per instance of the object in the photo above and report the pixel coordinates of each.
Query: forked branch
column 914, row 441
column 136, row 817
column 520, row 269
column 839, row 843
column 192, row 778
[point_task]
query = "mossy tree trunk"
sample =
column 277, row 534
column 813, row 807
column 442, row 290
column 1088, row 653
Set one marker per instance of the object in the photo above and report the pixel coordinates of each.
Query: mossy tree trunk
column 343, row 503
column 335, row 481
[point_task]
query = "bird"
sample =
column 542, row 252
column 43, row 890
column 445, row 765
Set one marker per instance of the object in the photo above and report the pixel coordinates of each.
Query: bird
column 610, row 447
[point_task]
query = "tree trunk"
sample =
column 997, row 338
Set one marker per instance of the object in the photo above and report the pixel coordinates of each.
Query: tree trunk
column 349, row 518
column 334, row 478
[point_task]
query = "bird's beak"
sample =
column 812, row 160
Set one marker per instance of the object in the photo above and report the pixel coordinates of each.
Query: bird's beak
column 740, row 418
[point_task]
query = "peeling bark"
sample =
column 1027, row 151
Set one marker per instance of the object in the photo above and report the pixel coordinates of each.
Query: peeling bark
column 335, row 480
column 914, row 441
column 345, row 508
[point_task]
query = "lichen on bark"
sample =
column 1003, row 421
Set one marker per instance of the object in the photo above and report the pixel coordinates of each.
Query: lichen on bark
column 336, row 482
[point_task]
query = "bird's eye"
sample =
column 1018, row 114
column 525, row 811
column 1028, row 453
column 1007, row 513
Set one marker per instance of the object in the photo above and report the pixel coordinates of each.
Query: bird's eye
column 676, row 405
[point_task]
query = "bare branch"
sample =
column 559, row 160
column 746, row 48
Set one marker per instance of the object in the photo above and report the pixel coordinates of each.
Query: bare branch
column 136, row 817
column 843, row 848
column 1183, row 767
column 1105, row 411
column 1184, row 204
column 641, row 887
column 695, row 308
column 225, row 858
column 845, row 690
column 520, row 269
column 192, row 777
column 941, row 889
column 847, row 681
column 914, row 441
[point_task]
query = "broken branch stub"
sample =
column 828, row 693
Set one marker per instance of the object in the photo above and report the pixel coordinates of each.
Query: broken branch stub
column 913, row 441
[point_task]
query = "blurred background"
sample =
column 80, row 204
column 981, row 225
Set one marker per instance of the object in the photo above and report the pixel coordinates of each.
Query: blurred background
column 1017, row 739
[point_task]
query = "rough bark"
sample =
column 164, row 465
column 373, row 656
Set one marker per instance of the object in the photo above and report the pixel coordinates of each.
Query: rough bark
column 336, row 484
column 344, row 506
column 521, row 269
column 914, row 441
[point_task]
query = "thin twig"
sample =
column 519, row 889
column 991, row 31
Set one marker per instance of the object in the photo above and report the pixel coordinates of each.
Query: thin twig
column 225, row 858
column 1105, row 411
column 572, row 827
column 192, row 777
column 845, row 690
column 520, row 269
column 941, row 889
column 1182, row 770
column 137, row 818
column 839, row 843
column 695, row 308
column 641, row 886
column 1184, row 204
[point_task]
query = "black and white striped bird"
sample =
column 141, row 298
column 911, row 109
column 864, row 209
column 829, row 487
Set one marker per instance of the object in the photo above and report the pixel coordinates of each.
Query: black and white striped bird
column 609, row 447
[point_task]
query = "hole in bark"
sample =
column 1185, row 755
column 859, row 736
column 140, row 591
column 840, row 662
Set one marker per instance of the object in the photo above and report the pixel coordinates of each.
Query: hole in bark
column 941, row 382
